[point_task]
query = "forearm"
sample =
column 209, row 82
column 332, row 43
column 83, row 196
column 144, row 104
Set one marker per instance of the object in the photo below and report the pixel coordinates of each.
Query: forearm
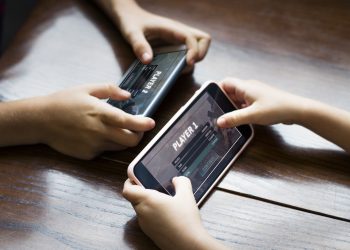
column 20, row 122
column 329, row 122
column 115, row 9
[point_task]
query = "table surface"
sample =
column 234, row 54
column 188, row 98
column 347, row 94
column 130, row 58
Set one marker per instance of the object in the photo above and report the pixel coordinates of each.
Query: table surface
column 289, row 189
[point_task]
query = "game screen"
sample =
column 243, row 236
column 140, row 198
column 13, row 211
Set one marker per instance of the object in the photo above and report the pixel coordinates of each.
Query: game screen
column 145, row 81
column 193, row 147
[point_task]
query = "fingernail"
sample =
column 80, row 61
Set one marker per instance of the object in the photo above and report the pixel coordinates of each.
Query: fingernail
column 221, row 121
column 125, row 93
column 146, row 57
column 151, row 122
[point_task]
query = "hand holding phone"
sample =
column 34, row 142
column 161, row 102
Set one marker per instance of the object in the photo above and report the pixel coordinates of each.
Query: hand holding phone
column 150, row 83
column 191, row 144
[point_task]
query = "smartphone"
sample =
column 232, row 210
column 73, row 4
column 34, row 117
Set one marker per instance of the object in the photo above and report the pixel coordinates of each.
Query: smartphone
column 192, row 145
column 150, row 83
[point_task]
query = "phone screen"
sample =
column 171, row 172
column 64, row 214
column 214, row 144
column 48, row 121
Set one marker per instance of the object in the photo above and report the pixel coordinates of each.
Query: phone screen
column 145, row 82
column 195, row 146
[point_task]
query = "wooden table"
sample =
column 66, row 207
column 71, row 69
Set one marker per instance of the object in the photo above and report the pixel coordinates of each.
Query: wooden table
column 289, row 190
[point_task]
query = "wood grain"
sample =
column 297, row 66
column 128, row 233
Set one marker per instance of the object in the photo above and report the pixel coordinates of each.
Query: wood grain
column 58, row 202
column 288, row 173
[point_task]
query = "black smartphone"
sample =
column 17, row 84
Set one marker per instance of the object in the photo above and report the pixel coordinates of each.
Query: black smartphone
column 192, row 145
column 150, row 83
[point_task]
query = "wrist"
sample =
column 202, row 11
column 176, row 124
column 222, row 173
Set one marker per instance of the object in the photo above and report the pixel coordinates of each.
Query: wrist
column 297, row 110
column 202, row 240
column 119, row 9
column 304, row 111
column 36, row 119
column 209, row 242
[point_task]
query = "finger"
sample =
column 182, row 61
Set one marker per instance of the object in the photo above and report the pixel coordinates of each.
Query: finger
column 238, row 117
column 174, row 32
column 141, row 47
column 231, row 84
column 133, row 193
column 108, row 90
column 188, row 69
column 235, row 88
column 182, row 186
column 192, row 46
column 203, row 46
column 120, row 119
column 123, row 137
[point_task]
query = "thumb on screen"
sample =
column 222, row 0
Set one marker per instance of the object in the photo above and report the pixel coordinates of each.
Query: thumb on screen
column 182, row 186
column 237, row 117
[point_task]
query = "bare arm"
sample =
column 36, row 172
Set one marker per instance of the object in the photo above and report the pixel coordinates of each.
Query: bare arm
column 329, row 122
column 265, row 105
column 19, row 122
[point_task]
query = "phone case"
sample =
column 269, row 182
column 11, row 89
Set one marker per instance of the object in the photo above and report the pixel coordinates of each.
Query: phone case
column 166, row 85
column 130, row 171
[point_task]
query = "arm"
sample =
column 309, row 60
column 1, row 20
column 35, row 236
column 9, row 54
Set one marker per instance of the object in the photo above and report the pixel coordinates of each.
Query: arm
column 74, row 121
column 178, row 224
column 329, row 122
column 19, row 122
column 138, row 26
column 264, row 105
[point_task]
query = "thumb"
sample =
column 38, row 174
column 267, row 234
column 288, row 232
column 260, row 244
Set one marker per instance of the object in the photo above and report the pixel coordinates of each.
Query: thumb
column 182, row 186
column 108, row 90
column 141, row 47
column 238, row 117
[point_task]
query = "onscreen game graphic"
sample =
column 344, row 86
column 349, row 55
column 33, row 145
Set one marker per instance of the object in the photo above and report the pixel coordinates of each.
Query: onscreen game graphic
column 193, row 147
column 144, row 81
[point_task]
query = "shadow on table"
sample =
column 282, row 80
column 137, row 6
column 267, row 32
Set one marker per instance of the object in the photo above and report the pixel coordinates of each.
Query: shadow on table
column 271, row 152
column 101, row 202
column 44, row 16
column 133, row 233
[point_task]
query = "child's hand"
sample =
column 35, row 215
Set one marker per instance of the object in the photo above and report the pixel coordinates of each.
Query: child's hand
column 139, row 27
column 77, row 123
column 171, row 222
column 259, row 104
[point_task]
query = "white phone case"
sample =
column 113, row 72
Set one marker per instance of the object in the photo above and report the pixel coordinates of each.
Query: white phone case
column 131, row 166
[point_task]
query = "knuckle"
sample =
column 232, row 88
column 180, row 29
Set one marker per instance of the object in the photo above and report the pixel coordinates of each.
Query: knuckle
column 109, row 87
column 125, row 192
column 206, row 36
column 142, row 209
column 121, row 119
column 133, row 140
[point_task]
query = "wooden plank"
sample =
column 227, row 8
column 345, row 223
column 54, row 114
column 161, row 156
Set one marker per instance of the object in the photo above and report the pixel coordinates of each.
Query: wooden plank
column 56, row 202
column 298, row 46
column 243, row 223
column 64, row 203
